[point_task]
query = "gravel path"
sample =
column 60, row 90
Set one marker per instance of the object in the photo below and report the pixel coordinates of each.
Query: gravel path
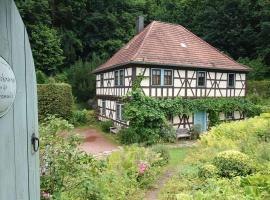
column 95, row 143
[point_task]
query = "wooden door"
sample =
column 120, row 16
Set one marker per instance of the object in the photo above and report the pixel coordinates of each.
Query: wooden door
column 19, row 164
column 200, row 120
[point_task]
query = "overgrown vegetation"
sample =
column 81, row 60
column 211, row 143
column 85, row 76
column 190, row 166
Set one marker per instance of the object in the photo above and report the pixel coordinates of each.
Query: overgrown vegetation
column 67, row 173
column 230, row 162
column 148, row 116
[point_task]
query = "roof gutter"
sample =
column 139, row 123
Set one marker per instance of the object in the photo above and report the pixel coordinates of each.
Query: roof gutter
column 172, row 65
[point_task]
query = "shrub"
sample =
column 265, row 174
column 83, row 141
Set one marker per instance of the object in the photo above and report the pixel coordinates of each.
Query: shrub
column 55, row 99
column 207, row 171
column 41, row 77
column 105, row 125
column 79, row 117
column 128, row 136
column 168, row 133
column 233, row 163
column 163, row 152
column 196, row 131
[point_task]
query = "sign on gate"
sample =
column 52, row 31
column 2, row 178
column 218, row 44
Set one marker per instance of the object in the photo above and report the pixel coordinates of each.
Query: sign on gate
column 7, row 87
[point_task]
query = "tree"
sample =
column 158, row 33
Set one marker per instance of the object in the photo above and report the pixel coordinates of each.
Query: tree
column 46, row 48
column 82, row 80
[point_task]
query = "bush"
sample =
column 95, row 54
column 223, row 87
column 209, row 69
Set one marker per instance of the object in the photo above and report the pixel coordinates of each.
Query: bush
column 79, row 117
column 128, row 136
column 105, row 125
column 41, row 77
column 207, row 171
column 233, row 163
column 54, row 99
column 168, row 133
column 163, row 152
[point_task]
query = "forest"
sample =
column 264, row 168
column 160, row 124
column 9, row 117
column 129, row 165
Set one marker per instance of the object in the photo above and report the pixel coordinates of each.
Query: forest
column 74, row 37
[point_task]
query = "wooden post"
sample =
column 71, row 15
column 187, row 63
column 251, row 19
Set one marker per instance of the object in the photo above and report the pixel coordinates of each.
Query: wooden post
column 19, row 164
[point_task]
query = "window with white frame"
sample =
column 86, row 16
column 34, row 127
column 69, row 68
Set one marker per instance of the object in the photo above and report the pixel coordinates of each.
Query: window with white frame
column 103, row 109
column 161, row 77
column 231, row 80
column 119, row 77
column 201, row 79
column 167, row 77
column 116, row 77
column 156, row 76
column 101, row 80
column 119, row 111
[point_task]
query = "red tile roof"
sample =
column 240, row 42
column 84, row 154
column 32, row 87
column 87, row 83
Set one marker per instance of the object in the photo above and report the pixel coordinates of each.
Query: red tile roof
column 171, row 45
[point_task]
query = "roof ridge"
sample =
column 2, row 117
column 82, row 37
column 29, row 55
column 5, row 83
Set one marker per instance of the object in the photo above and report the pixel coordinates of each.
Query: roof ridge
column 146, row 35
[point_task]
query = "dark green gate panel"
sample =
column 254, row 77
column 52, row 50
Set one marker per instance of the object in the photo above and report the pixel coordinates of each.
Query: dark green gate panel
column 19, row 165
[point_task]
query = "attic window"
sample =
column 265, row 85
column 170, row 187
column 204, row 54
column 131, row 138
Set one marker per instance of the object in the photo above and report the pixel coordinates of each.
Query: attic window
column 183, row 45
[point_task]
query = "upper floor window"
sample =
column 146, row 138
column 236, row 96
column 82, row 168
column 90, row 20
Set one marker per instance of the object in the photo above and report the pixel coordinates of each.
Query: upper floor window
column 201, row 79
column 119, row 77
column 167, row 77
column 156, row 76
column 101, row 80
column 231, row 80
column 103, row 110
column 162, row 77
column 119, row 111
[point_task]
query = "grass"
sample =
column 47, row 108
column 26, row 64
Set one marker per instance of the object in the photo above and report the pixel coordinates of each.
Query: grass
column 177, row 155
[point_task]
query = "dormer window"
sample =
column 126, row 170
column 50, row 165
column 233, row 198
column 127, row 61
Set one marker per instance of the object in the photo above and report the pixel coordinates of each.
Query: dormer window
column 231, row 80
column 201, row 79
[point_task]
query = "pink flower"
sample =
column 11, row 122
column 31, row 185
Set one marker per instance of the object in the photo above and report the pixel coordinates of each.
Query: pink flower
column 46, row 195
column 142, row 167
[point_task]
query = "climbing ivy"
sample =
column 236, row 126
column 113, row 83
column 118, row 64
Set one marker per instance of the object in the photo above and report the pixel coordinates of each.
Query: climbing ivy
column 148, row 116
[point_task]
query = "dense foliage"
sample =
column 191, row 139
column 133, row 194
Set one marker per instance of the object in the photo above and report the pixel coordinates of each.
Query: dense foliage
column 148, row 116
column 81, row 79
column 90, row 28
column 231, row 162
column 67, row 173
column 54, row 99
column 259, row 88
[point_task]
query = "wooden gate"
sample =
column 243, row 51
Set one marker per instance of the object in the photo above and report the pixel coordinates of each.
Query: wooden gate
column 19, row 165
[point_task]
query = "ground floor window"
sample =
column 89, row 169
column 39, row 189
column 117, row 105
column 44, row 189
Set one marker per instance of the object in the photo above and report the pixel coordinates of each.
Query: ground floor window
column 103, row 109
column 229, row 115
column 119, row 111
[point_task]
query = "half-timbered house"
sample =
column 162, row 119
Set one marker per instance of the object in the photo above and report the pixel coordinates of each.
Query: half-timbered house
column 174, row 62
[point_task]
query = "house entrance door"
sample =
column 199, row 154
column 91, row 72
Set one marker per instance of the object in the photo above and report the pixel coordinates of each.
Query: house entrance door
column 200, row 119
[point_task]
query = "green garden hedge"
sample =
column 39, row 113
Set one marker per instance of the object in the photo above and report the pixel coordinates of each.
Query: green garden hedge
column 262, row 88
column 55, row 99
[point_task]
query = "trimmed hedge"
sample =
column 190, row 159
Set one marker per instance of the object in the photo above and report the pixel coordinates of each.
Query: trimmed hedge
column 259, row 87
column 54, row 99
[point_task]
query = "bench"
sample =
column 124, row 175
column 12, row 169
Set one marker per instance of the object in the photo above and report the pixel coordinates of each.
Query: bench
column 183, row 133
column 115, row 129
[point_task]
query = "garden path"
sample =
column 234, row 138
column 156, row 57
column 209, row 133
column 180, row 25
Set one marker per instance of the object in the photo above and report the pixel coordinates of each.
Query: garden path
column 153, row 193
column 95, row 143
